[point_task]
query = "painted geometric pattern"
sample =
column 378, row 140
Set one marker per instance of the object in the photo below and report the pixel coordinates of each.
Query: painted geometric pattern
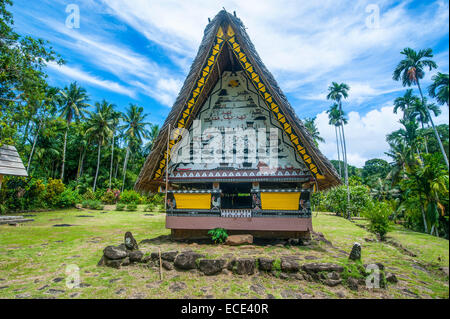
column 191, row 102
column 268, row 99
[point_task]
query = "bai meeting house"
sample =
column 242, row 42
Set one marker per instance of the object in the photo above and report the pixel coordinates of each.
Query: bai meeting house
column 232, row 153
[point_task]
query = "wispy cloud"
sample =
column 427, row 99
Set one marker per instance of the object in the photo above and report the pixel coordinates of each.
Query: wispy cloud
column 80, row 75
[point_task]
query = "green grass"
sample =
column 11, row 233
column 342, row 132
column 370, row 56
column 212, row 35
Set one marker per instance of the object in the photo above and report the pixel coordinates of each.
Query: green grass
column 34, row 254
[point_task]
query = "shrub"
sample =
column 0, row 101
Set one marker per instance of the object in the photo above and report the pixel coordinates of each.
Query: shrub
column 132, row 207
column 149, row 208
column 110, row 196
column 54, row 188
column 378, row 214
column 68, row 198
column 120, row 207
column 130, row 196
column 89, row 194
column 92, row 204
column 336, row 200
column 218, row 235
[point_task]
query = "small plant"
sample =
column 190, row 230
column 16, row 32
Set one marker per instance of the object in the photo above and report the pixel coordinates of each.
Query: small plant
column 92, row 204
column 149, row 208
column 218, row 235
column 378, row 214
column 120, row 207
column 132, row 207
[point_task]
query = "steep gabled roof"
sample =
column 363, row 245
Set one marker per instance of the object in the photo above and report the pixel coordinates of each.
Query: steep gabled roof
column 10, row 162
column 225, row 40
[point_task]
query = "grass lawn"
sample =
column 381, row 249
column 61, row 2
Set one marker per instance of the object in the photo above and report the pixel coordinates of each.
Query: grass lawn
column 34, row 258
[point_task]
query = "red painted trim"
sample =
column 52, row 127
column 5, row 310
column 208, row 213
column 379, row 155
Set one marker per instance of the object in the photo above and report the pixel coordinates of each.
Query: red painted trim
column 256, row 223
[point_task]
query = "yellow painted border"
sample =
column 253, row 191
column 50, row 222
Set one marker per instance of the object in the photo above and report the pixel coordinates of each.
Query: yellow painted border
column 280, row 201
column 193, row 201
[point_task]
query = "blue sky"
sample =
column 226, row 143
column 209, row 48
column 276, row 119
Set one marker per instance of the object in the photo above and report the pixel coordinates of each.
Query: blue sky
column 139, row 51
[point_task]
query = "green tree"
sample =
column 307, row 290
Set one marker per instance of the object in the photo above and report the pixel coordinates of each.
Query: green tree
column 311, row 127
column 439, row 88
column 100, row 125
column 428, row 183
column 337, row 92
column 134, row 131
column 336, row 118
column 404, row 102
column 73, row 106
column 374, row 169
column 411, row 70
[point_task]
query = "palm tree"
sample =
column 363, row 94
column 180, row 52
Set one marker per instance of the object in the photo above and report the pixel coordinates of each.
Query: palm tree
column 311, row 127
column 100, row 125
column 411, row 71
column 153, row 134
column 134, row 131
column 439, row 88
column 335, row 119
column 404, row 102
column 421, row 111
column 429, row 183
column 337, row 92
column 74, row 100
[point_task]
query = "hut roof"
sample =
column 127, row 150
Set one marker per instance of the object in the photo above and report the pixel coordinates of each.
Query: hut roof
column 224, row 33
column 10, row 162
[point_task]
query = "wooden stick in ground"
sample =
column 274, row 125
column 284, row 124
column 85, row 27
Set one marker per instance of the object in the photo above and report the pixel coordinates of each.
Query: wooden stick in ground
column 160, row 264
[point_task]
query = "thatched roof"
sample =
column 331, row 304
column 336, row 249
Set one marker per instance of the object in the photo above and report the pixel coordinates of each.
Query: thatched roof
column 226, row 45
column 10, row 162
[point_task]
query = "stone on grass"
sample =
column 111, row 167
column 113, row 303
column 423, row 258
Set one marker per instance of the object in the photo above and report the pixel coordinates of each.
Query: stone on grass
column 167, row 265
column 136, row 255
column 355, row 254
column 265, row 264
column 117, row 263
column 187, row 260
column 318, row 267
column 245, row 266
column 130, row 242
column 177, row 286
column 289, row 264
column 169, row 255
column 211, row 266
column 332, row 282
column 113, row 252
column 235, row 240
column 352, row 283
column 390, row 277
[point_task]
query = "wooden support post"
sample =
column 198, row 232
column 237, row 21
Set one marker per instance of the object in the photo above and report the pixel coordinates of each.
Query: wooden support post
column 1, row 180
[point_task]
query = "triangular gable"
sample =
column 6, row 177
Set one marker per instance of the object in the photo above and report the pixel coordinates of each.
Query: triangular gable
column 258, row 82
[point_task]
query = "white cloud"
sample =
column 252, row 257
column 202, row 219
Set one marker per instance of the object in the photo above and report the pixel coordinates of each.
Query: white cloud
column 365, row 135
column 80, row 75
column 128, row 66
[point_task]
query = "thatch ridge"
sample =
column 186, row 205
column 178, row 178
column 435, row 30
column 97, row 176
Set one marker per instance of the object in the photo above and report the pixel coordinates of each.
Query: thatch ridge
column 144, row 182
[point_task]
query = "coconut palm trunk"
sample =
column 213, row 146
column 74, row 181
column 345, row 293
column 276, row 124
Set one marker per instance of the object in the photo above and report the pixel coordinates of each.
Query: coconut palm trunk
column 112, row 160
column 125, row 163
column 337, row 145
column 34, row 145
column 345, row 165
column 434, row 128
column 100, row 141
column 64, row 153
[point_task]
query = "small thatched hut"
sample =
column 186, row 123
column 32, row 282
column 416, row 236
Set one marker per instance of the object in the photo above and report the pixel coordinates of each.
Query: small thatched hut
column 10, row 162
column 262, row 188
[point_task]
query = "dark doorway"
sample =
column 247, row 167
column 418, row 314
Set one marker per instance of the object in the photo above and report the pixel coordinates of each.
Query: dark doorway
column 236, row 195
